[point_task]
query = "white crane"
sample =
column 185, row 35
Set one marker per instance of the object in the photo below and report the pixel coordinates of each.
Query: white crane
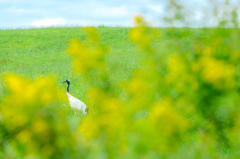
column 75, row 103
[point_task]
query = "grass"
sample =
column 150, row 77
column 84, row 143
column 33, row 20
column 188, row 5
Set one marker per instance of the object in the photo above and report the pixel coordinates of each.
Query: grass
column 36, row 52
column 40, row 52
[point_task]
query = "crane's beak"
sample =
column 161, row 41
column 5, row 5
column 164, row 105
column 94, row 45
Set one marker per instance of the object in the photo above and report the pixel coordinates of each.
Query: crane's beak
column 64, row 81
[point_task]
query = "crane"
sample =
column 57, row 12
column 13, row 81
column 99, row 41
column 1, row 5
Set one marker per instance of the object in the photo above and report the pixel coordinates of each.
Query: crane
column 75, row 103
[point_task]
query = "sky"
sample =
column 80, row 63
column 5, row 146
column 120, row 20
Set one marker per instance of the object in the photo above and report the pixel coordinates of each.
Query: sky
column 44, row 13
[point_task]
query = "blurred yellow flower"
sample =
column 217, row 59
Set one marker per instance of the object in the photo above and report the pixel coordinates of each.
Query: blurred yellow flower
column 14, row 83
column 163, row 115
column 31, row 117
column 208, row 51
column 89, row 127
column 24, row 136
column 142, row 35
column 217, row 72
column 40, row 126
column 179, row 74
column 138, row 19
column 92, row 34
column 89, row 56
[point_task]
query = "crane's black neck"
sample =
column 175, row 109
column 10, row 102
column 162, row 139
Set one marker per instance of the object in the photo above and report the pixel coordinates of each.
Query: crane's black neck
column 68, row 86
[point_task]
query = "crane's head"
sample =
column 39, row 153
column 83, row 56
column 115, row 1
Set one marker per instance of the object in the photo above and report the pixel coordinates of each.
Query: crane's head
column 67, row 80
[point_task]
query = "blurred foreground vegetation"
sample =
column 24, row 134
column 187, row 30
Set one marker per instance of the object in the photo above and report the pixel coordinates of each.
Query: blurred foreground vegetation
column 152, row 92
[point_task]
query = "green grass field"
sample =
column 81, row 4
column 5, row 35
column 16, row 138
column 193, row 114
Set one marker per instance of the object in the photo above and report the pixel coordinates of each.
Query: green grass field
column 40, row 52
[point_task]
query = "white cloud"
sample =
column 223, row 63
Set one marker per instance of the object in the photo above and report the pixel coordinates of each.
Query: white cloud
column 111, row 12
column 198, row 15
column 49, row 22
column 156, row 8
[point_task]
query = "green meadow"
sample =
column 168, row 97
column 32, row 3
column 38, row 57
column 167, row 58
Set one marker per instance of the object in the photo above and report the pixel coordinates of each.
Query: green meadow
column 43, row 51
column 40, row 52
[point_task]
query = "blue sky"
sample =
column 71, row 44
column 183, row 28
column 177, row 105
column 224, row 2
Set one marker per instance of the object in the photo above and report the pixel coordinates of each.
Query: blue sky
column 29, row 13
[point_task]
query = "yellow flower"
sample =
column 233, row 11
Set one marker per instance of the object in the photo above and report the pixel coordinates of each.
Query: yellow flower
column 92, row 34
column 89, row 127
column 208, row 51
column 89, row 56
column 142, row 35
column 19, row 119
column 163, row 115
column 40, row 126
column 46, row 97
column 138, row 19
column 24, row 136
column 179, row 75
column 95, row 96
column 14, row 82
column 217, row 72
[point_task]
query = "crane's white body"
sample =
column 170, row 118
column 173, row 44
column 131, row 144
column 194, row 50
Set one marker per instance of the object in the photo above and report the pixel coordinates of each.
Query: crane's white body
column 76, row 104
